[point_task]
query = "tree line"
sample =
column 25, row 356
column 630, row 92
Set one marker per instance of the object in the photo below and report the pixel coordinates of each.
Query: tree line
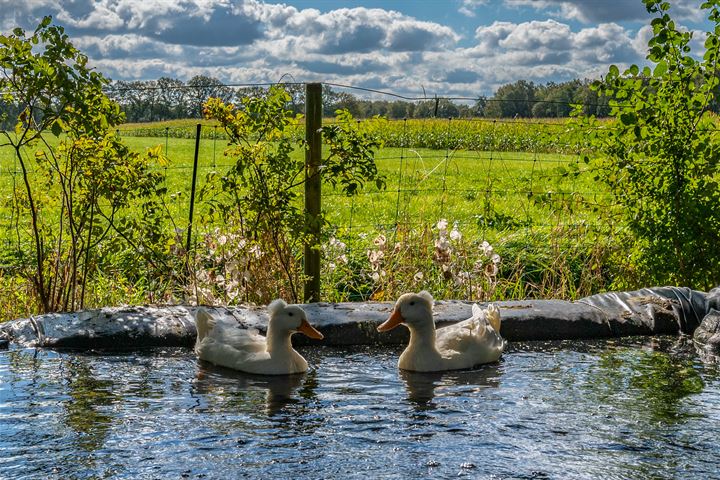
column 170, row 98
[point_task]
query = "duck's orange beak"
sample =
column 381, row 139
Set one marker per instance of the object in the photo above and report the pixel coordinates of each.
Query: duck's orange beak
column 307, row 329
column 392, row 322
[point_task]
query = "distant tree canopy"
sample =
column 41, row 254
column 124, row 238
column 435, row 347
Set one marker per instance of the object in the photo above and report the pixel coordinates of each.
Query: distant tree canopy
column 170, row 98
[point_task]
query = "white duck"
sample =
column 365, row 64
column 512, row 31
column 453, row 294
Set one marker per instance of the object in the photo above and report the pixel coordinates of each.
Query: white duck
column 226, row 345
column 463, row 345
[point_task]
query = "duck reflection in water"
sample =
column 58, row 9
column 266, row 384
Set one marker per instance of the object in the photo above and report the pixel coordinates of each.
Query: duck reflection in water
column 251, row 392
column 423, row 387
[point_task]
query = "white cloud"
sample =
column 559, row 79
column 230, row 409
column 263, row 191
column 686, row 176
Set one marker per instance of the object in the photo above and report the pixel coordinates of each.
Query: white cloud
column 362, row 30
column 128, row 46
column 468, row 7
column 603, row 11
column 548, row 40
column 489, row 37
column 533, row 35
column 543, row 51
column 248, row 41
column 99, row 19
column 607, row 43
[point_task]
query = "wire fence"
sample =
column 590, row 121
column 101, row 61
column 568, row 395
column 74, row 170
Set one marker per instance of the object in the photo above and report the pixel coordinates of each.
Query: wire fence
column 462, row 169
column 497, row 180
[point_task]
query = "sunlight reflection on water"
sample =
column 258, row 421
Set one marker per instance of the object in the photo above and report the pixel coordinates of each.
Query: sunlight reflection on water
column 632, row 408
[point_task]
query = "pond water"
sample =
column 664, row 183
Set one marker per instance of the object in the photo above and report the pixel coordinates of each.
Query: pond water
column 632, row 408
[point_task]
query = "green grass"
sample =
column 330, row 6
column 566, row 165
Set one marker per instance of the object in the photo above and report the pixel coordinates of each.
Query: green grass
column 483, row 191
column 502, row 135
column 477, row 189
column 488, row 175
column 539, row 216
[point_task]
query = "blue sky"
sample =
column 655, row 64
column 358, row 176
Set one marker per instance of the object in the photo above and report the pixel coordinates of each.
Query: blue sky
column 443, row 47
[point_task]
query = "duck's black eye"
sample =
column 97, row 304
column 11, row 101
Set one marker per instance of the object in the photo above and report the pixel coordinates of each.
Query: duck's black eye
column 290, row 314
column 412, row 303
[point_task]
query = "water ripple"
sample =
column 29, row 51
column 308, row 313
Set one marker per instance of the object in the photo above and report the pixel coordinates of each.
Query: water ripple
column 632, row 408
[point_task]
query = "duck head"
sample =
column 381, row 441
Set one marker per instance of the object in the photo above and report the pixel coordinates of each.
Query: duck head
column 413, row 310
column 290, row 319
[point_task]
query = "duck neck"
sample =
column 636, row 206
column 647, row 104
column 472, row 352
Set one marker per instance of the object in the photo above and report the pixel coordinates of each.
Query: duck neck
column 422, row 336
column 278, row 341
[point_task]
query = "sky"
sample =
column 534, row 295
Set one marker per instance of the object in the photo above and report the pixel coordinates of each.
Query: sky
column 410, row 47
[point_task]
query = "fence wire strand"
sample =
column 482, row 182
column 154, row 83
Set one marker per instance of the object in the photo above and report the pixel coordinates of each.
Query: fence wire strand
column 483, row 174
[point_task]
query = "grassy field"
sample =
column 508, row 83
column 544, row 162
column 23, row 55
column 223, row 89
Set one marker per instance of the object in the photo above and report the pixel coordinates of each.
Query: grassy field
column 488, row 193
column 544, row 221
column 478, row 189
column 540, row 217
column 498, row 135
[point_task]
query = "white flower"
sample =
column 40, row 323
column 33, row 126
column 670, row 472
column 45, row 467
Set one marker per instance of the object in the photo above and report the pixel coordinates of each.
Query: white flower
column 202, row 276
column 418, row 276
column 486, row 248
column 375, row 276
column 442, row 224
column 461, row 278
column 375, row 256
column 455, row 234
column 442, row 244
column 335, row 243
column 379, row 240
column 222, row 239
column 232, row 267
column 495, row 258
column 342, row 259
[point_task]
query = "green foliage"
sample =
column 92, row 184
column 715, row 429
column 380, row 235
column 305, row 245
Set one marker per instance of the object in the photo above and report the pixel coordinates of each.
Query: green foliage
column 660, row 157
column 260, row 194
column 457, row 263
column 481, row 135
column 351, row 161
column 512, row 100
column 83, row 179
column 438, row 134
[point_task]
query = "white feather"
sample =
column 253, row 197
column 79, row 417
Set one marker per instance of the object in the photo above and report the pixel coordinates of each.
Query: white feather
column 463, row 345
column 225, row 344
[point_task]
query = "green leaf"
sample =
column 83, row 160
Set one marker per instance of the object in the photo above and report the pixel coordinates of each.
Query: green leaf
column 628, row 118
column 660, row 69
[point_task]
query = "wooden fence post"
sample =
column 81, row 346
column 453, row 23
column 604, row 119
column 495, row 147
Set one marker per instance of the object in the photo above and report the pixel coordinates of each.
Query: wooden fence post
column 313, row 158
column 192, row 196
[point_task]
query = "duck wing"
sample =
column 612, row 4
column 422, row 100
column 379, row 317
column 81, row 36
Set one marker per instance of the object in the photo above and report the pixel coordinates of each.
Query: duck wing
column 233, row 347
column 204, row 323
column 475, row 339
column 245, row 340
